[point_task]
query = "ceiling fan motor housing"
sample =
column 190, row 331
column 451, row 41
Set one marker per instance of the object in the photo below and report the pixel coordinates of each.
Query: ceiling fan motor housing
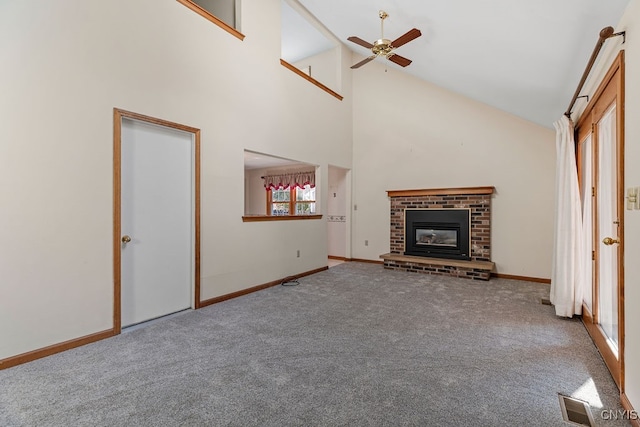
column 382, row 47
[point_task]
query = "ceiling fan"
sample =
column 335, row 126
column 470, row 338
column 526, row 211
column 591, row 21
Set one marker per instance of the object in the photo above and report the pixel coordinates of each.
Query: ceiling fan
column 385, row 47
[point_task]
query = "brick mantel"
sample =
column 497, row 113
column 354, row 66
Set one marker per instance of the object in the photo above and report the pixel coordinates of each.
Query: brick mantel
column 476, row 199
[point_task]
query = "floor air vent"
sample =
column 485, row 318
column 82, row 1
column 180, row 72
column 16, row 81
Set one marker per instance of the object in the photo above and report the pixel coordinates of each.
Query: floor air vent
column 575, row 411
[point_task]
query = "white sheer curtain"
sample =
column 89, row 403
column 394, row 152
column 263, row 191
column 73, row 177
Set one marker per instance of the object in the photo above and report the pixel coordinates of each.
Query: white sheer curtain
column 566, row 290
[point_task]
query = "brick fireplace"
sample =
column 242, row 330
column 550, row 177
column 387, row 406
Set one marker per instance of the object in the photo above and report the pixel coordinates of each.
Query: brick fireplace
column 476, row 200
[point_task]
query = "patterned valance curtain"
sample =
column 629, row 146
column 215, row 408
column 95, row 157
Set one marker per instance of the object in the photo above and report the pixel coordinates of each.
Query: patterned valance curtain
column 287, row 179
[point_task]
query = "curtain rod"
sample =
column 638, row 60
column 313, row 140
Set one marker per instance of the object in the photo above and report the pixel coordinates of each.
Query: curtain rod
column 605, row 33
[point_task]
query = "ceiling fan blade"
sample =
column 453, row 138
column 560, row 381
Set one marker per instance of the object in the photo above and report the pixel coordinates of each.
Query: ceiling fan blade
column 406, row 38
column 358, row 40
column 400, row 60
column 364, row 61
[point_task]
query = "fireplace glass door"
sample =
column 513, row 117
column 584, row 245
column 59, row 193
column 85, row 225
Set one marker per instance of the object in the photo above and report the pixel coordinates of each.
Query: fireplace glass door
column 438, row 233
column 446, row 238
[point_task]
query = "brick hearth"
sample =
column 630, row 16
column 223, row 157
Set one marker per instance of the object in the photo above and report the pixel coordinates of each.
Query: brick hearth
column 477, row 199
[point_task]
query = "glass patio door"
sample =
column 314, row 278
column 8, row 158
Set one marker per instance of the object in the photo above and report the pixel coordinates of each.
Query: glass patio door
column 600, row 164
column 608, row 238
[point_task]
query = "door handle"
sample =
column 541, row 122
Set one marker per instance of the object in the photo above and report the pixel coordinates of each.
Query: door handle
column 609, row 241
column 126, row 239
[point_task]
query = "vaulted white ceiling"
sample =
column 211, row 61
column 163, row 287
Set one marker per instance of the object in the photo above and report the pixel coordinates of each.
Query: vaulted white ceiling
column 525, row 57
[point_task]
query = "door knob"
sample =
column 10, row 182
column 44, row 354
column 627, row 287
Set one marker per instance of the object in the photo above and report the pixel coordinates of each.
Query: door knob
column 609, row 241
column 126, row 239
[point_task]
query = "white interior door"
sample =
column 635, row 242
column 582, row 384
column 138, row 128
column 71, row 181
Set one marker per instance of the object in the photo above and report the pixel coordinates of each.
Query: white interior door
column 157, row 221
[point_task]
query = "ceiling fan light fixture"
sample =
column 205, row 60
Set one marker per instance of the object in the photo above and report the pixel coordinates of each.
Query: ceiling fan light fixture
column 385, row 47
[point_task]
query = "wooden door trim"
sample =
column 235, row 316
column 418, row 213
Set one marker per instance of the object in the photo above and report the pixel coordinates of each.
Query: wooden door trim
column 620, row 113
column 118, row 115
column 615, row 66
column 597, row 336
column 595, row 269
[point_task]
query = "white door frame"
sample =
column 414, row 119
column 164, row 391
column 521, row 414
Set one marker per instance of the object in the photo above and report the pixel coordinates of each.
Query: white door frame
column 347, row 199
column 118, row 115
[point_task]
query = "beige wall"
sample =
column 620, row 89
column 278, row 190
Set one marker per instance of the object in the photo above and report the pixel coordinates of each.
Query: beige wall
column 630, row 23
column 325, row 67
column 409, row 134
column 66, row 65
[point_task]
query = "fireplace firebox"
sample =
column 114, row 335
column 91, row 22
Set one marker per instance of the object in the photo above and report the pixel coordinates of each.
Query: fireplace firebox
column 438, row 233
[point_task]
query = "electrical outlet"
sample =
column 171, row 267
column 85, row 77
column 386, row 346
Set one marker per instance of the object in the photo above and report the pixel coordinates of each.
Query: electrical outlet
column 366, row 243
column 298, row 253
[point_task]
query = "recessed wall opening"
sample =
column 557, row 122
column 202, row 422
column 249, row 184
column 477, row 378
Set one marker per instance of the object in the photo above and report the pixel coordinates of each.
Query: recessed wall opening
column 223, row 13
column 225, row 10
column 308, row 46
column 279, row 187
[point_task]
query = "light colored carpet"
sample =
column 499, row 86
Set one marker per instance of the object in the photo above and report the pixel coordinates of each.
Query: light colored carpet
column 355, row 345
